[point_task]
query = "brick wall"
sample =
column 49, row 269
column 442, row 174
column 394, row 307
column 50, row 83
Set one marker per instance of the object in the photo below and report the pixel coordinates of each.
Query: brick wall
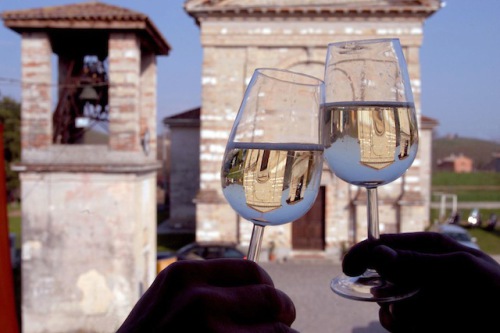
column 36, row 74
column 124, row 93
column 148, row 97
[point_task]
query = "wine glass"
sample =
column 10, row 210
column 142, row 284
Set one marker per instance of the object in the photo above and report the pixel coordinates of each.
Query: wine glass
column 272, row 164
column 371, row 136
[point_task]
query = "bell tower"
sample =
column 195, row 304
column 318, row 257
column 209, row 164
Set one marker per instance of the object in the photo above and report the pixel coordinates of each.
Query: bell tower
column 88, row 205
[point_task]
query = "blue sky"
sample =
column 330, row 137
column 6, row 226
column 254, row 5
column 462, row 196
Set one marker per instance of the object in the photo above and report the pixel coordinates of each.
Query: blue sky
column 460, row 62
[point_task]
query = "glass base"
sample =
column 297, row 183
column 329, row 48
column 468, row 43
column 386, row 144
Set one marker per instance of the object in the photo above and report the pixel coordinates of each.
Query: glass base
column 369, row 287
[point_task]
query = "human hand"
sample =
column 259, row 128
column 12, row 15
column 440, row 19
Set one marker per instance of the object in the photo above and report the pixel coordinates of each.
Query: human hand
column 455, row 282
column 218, row 295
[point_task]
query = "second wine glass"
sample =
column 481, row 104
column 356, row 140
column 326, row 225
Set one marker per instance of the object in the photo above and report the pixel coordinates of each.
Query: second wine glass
column 371, row 135
column 272, row 164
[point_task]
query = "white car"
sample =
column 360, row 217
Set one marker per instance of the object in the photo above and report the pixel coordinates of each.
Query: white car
column 457, row 233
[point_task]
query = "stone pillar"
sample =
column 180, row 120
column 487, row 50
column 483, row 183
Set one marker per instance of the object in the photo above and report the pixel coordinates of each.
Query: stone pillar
column 124, row 77
column 147, row 121
column 36, row 112
column 215, row 219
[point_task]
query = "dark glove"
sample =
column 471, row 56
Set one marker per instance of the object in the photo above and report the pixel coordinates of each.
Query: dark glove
column 455, row 282
column 218, row 295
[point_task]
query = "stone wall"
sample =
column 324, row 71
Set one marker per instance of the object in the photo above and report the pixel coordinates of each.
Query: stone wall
column 184, row 175
column 88, row 249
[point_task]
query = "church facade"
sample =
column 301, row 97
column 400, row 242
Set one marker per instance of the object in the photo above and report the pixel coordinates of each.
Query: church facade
column 239, row 36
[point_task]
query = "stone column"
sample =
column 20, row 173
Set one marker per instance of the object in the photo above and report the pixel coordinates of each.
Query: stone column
column 124, row 77
column 36, row 112
column 147, row 122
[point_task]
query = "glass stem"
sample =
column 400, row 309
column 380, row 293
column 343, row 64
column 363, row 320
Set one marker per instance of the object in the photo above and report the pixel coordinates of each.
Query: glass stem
column 372, row 206
column 255, row 243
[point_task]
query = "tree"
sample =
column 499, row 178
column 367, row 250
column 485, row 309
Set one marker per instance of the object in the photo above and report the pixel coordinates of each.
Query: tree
column 10, row 116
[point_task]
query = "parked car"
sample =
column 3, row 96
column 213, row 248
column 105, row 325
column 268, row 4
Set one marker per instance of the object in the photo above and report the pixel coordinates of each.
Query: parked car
column 209, row 250
column 458, row 233
column 200, row 251
column 474, row 219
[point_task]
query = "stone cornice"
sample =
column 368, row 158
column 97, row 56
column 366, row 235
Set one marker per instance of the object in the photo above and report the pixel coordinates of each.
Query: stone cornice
column 317, row 33
column 84, row 168
column 202, row 9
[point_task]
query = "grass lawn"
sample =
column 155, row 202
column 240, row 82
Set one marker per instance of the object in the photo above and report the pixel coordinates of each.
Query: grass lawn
column 472, row 187
column 15, row 227
column 488, row 241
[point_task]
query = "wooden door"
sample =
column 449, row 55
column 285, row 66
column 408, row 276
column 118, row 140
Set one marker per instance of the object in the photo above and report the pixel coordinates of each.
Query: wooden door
column 308, row 232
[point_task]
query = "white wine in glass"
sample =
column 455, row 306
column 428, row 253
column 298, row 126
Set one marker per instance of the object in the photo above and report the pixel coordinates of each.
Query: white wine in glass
column 371, row 136
column 272, row 164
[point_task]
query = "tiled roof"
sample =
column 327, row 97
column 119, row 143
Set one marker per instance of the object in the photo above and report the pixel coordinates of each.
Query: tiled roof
column 91, row 10
column 187, row 118
column 428, row 122
column 452, row 158
column 85, row 15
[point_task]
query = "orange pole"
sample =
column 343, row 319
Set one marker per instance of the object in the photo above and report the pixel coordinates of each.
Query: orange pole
column 8, row 317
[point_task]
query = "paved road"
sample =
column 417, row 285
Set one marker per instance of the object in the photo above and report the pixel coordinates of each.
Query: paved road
column 319, row 310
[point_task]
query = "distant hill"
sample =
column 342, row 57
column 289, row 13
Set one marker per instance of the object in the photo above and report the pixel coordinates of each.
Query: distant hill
column 479, row 150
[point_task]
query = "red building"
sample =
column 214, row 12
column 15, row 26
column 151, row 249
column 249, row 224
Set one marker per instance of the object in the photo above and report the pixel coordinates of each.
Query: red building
column 456, row 163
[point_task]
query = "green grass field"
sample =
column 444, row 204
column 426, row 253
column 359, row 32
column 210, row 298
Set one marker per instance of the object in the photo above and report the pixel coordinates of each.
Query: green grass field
column 488, row 241
column 473, row 187
column 474, row 179
column 14, row 211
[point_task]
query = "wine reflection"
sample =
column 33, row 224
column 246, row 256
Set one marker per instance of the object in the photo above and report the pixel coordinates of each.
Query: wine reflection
column 383, row 132
column 266, row 174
